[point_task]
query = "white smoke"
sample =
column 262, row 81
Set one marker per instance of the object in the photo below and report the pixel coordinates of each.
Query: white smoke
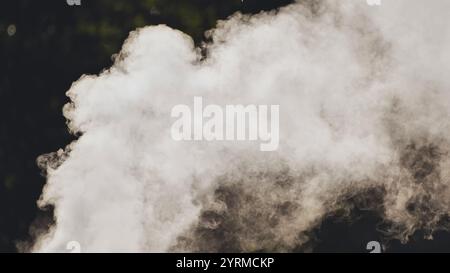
column 364, row 103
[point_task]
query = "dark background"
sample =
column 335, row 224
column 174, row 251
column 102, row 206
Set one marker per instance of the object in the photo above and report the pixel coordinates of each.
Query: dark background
column 45, row 45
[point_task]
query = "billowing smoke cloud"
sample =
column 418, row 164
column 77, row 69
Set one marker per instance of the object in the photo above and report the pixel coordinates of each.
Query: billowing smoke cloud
column 364, row 97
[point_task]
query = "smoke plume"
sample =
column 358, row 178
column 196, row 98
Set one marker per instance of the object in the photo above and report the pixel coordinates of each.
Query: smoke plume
column 364, row 97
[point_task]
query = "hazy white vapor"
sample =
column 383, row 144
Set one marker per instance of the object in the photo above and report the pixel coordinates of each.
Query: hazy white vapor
column 364, row 97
